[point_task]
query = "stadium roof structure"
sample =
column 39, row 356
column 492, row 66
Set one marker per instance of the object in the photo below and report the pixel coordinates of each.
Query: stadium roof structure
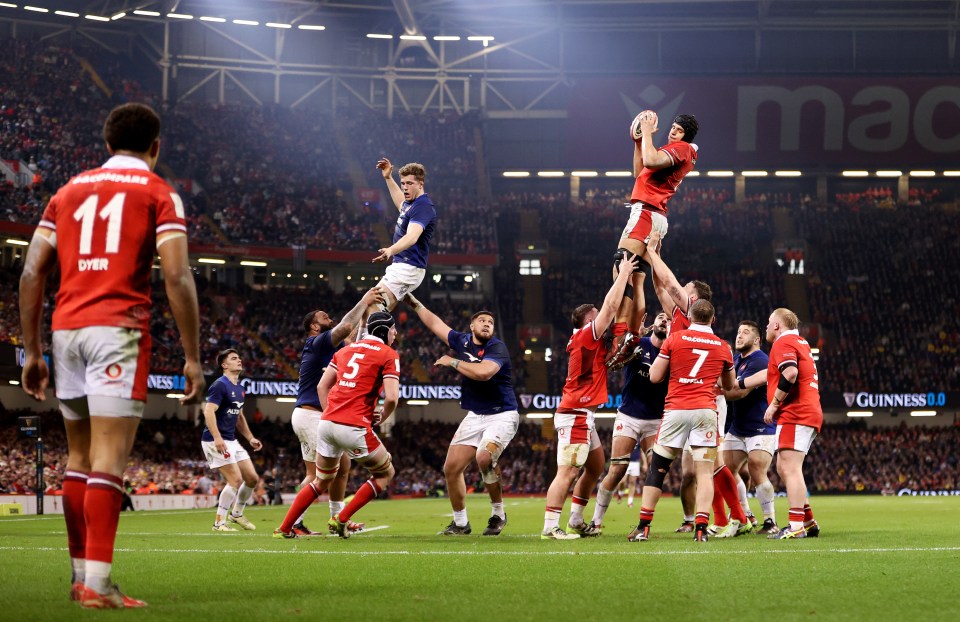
column 511, row 58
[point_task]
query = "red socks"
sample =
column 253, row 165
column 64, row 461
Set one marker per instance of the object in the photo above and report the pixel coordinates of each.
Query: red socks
column 807, row 513
column 724, row 482
column 646, row 515
column 367, row 493
column 74, row 491
column 101, row 511
column 719, row 510
column 307, row 495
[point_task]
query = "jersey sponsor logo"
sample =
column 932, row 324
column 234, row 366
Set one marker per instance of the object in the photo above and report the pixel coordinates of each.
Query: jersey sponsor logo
column 114, row 177
column 711, row 342
column 114, row 371
column 472, row 358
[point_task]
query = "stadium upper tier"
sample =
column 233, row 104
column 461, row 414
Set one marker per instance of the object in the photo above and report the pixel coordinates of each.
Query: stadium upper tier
column 880, row 304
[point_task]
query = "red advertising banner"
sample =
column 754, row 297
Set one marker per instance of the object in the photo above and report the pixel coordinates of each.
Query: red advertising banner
column 775, row 122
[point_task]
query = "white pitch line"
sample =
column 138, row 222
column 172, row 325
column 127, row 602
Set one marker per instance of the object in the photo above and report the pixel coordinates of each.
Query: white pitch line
column 122, row 515
column 220, row 534
column 494, row 553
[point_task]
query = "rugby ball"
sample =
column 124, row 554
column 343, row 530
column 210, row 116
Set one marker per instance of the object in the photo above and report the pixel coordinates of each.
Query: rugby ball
column 635, row 133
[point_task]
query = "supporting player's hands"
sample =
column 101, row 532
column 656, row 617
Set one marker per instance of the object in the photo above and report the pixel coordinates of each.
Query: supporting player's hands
column 35, row 377
column 385, row 255
column 654, row 242
column 377, row 416
column 645, row 330
column 194, row 385
column 412, row 302
column 629, row 266
column 386, row 168
column 374, row 295
column 255, row 444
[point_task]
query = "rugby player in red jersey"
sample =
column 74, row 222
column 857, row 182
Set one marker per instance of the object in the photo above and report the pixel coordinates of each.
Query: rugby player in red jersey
column 693, row 360
column 104, row 228
column 578, row 444
column 658, row 172
column 348, row 393
column 793, row 394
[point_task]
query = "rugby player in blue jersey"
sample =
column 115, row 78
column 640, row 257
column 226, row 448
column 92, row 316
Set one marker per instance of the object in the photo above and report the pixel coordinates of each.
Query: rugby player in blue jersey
column 492, row 417
column 410, row 251
column 223, row 417
column 323, row 340
column 750, row 440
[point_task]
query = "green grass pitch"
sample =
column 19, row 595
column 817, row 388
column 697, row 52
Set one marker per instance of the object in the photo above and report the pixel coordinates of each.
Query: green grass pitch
column 878, row 558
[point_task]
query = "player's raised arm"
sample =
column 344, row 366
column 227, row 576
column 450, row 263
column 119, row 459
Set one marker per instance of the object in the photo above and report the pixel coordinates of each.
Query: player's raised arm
column 386, row 169
column 41, row 259
column 436, row 326
column 608, row 310
column 669, row 291
column 354, row 316
column 182, row 293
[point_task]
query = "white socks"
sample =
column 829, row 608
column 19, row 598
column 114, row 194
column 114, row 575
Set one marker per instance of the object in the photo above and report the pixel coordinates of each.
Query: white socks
column 460, row 517
column 227, row 495
column 496, row 509
column 243, row 495
column 603, row 502
column 765, row 495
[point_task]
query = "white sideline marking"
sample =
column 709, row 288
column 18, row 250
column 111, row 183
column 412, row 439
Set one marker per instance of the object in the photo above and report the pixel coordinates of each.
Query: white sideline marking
column 221, row 534
column 493, row 553
column 122, row 515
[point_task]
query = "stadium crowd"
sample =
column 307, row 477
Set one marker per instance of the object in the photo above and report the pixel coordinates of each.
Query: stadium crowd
column 167, row 458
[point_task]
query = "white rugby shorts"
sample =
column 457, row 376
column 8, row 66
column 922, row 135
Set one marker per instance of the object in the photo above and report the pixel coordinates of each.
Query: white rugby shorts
column 698, row 426
column 637, row 429
column 401, row 279
column 235, row 453
column 107, row 365
column 305, row 424
column 480, row 430
column 795, row 436
column 746, row 444
column 633, row 468
column 335, row 438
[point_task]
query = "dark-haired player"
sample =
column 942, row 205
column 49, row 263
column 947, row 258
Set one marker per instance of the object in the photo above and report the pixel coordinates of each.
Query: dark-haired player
column 323, row 340
column 658, row 173
column 104, row 229
column 693, row 360
column 223, row 417
column 348, row 392
column 492, row 418
column 578, row 444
